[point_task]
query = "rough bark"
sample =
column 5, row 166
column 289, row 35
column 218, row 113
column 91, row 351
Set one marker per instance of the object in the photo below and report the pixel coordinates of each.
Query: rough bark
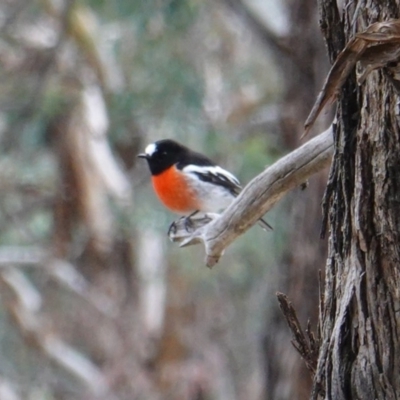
column 360, row 351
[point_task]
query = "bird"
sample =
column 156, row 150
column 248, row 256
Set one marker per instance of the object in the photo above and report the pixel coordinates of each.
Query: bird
column 187, row 182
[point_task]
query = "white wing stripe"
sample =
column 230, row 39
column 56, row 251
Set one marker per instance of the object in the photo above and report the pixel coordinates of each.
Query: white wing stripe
column 214, row 170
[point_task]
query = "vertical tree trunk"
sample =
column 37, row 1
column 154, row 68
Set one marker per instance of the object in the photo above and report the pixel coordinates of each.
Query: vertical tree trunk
column 360, row 350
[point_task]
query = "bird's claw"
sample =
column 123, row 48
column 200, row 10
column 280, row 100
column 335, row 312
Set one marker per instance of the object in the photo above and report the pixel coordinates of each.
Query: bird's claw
column 188, row 225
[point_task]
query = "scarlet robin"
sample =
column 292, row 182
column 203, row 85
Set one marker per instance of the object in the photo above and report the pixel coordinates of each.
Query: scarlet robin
column 187, row 182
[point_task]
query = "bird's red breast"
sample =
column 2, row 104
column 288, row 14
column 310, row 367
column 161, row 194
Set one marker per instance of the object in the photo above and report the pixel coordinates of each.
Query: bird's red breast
column 174, row 191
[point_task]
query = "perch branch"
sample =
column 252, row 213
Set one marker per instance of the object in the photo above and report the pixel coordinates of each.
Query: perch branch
column 217, row 232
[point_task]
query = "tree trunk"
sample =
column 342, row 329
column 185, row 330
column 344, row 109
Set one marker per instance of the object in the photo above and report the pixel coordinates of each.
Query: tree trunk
column 360, row 350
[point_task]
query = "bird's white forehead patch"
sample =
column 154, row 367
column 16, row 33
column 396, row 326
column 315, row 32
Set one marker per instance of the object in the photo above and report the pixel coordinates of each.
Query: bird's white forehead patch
column 150, row 149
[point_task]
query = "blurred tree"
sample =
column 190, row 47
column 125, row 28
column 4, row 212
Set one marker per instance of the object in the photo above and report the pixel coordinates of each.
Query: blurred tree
column 287, row 375
column 300, row 54
column 108, row 311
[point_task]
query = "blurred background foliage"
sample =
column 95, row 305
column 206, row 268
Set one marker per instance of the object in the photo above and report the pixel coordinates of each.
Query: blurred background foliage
column 95, row 302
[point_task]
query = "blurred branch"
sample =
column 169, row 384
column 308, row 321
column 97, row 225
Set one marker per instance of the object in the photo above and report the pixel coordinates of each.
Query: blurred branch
column 32, row 103
column 20, row 255
column 24, row 305
column 78, row 23
column 306, row 344
column 278, row 44
column 7, row 390
column 89, row 173
column 152, row 281
column 13, row 14
column 66, row 275
column 261, row 30
column 258, row 197
column 63, row 272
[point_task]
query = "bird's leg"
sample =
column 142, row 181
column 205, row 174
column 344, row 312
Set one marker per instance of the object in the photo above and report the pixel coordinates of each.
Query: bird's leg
column 192, row 214
column 172, row 229
column 265, row 225
column 188, row 222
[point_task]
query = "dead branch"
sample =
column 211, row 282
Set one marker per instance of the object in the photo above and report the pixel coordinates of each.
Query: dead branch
column 217, row 232
column 61, row 271
column 378, row 46
column 305, row 343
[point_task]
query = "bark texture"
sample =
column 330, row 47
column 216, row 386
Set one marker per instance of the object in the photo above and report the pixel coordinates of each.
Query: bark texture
column 360, row 350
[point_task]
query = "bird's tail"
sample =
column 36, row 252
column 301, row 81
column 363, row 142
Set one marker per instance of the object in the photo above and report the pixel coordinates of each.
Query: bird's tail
column 265, row 225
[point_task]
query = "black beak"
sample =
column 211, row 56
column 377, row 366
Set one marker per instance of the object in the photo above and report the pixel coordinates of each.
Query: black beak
column 142, row 155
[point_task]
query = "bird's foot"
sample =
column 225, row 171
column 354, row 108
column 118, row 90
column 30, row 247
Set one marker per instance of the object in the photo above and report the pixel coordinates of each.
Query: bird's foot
column 188, row 223
column 173, row 228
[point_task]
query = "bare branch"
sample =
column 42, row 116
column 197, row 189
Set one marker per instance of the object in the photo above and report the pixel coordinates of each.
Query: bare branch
column 63, row 272
column 376, row 47
column 305, row 343
column 257, row 198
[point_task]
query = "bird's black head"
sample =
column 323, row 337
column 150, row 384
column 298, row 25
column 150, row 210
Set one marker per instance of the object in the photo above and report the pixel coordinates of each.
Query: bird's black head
column 163, row 154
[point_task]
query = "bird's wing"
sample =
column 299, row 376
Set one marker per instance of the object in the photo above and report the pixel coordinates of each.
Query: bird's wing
column 219, row 176
column 215, row 175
